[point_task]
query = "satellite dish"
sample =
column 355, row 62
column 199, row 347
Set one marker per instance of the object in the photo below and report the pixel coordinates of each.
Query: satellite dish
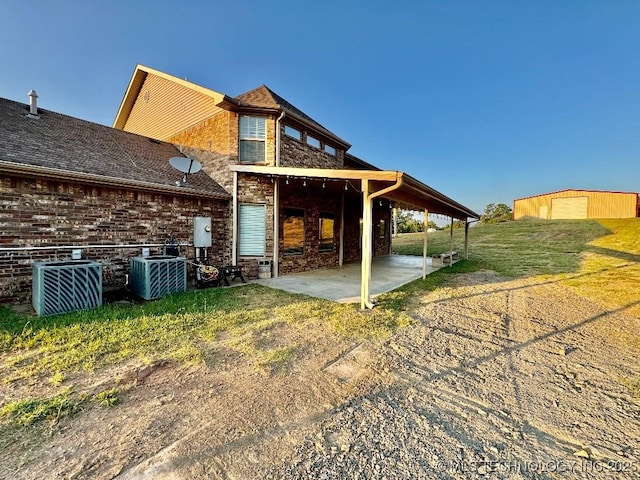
column 185, row 164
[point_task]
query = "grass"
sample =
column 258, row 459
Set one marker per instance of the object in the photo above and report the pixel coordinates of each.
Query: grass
column 180, row 327
column 600, row 259
column 515, row 249
column 32, row 411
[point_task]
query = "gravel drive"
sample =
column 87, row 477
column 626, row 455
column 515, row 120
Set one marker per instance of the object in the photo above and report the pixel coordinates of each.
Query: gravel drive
column 499, row 379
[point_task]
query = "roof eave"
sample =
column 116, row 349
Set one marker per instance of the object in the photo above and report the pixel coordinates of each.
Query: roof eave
column 103, row 180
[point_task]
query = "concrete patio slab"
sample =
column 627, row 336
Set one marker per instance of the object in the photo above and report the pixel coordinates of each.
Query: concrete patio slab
column 342, row 284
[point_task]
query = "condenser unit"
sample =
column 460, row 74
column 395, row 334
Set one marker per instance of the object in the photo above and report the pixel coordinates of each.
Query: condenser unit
column 66, row 286
column 155, row 276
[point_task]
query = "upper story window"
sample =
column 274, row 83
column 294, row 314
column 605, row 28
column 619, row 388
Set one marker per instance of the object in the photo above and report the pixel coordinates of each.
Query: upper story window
column 312, row 141
column 253, row 135
column 330, row 150
column 292, row 132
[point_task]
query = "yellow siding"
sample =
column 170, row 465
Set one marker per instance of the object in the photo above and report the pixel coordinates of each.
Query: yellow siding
column 600, row 204
column 164, row 108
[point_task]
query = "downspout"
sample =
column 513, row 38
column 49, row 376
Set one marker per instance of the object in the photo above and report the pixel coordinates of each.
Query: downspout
column 365, row 300
column 276, row 202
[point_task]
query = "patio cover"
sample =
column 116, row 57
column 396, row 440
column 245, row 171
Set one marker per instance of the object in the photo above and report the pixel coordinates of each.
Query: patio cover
column 402, row 189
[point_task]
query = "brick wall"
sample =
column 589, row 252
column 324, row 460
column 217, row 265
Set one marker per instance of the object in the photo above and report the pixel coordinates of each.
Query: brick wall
column 296, row 153
column 41, row 213
column 314, row 201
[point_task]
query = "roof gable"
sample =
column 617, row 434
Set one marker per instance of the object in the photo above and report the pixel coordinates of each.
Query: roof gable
column 64, row 144
column 264, row 97
column 181, row 88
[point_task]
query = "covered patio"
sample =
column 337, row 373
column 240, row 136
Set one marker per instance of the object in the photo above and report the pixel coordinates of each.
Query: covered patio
column 342, row 284
column 402, row 190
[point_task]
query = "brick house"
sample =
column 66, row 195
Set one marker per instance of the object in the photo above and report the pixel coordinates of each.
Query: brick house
column 299, row 200
column 280, row 188
column 66, row 184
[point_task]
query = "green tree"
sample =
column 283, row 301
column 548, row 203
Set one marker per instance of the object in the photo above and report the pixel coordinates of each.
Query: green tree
column 407, row 223
column 497, row 213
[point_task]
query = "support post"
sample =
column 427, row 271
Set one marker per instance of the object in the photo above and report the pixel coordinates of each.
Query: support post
column 367, row 212
column 341, row 246
column 466, row 239
column 451, row 239
column 234, row 222
column 276, row 225
column 395, row 222
column 424, row 247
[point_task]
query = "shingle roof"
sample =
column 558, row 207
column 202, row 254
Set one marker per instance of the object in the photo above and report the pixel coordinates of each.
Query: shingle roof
column 263, row 96
column 71, row 145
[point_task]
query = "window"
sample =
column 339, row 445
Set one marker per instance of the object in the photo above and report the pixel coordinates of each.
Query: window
column 383, row 228
column 312, row 141
column 326, row 233
column 293, row 231
column 330, row 150
column 292, row 132
column 252, row 139
column 251, row 231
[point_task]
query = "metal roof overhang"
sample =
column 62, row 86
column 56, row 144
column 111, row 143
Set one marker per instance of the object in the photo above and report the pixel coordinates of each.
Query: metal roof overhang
column 404, row 190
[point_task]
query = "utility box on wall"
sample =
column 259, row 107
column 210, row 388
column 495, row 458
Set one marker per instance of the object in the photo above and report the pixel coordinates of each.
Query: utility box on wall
column 202, row 232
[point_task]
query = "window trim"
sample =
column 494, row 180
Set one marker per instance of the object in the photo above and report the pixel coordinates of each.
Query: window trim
column 264, row 226
column 252, row 139
column 324, row 149
column 299, row 132
column 319, row 146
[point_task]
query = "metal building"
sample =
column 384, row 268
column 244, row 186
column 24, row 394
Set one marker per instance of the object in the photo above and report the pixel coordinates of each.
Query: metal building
column 577, row 204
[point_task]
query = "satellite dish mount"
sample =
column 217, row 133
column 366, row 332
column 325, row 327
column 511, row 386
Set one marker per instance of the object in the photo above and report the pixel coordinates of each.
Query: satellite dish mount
column 185, row 165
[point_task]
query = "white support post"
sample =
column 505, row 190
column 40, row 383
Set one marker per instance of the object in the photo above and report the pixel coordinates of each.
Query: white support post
column 276, row 225
column 451, row 241
column 395, row 222
column 234, row 222
column 341, row 246
column 424, row 247
column 365, row 301
column 466, row 239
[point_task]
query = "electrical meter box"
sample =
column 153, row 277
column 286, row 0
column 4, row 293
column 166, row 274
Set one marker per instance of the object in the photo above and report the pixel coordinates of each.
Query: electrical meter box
column 202, row 232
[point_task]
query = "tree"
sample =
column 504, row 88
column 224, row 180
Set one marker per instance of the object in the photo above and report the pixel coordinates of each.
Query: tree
column 497, row 213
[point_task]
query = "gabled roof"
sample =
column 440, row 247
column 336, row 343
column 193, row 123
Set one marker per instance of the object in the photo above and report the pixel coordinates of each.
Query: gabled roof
column 263, row 96
column 137, row 80
column 60, row 146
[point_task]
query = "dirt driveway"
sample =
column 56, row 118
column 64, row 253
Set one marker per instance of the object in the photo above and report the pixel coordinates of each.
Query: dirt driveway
column 496, row 379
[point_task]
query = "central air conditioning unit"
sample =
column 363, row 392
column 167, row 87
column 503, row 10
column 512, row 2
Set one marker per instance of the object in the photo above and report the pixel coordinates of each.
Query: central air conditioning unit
column 156, row 276
column 66, row 286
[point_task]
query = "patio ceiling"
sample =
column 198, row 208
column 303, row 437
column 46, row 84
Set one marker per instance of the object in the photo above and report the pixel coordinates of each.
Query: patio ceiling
column 406, row 191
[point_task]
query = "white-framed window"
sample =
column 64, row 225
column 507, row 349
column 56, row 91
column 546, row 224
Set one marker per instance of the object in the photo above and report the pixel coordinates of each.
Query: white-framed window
column 330, row 150
column 313, row 141
column 253, row 136
column 289, row 131
column 293, row 231
column 251, row 230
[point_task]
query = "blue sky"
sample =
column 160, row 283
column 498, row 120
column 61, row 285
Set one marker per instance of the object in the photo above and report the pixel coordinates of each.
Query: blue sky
column 486, row 101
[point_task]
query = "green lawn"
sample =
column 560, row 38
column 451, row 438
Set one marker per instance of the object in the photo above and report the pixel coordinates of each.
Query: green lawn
column 599, row 258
